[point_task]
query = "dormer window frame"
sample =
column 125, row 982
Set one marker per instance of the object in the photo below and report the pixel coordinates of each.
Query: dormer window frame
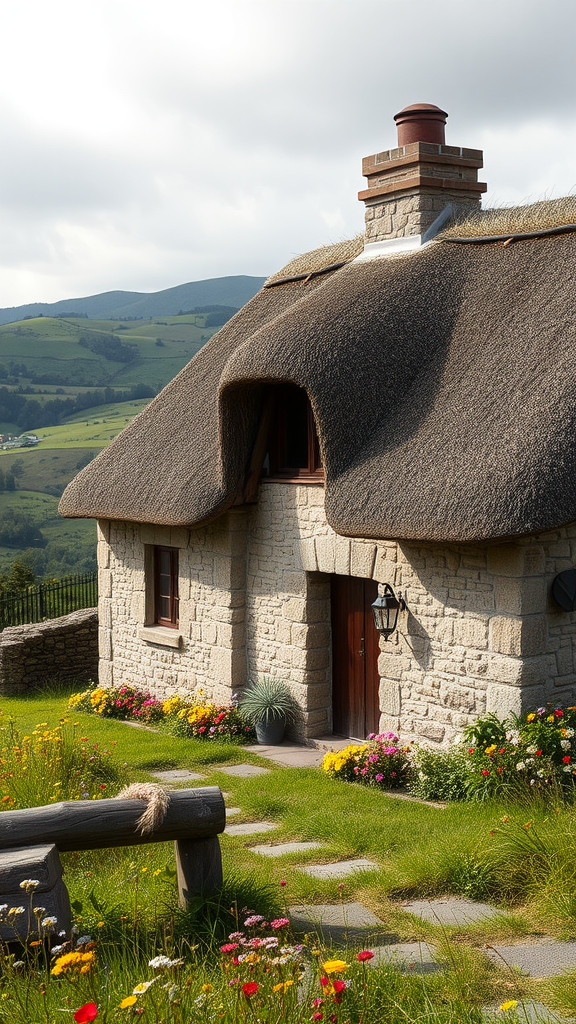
column 278, row 461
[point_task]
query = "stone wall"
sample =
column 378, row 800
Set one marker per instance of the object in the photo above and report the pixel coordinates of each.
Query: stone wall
column 412, row 214
column 64, row 648
column 480, row 632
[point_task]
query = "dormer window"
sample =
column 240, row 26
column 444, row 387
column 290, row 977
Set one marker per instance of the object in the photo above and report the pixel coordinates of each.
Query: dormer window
column 293, row 448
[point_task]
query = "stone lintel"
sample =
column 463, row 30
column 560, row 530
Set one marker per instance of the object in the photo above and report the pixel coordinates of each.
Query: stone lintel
column 422, row 150
column 418, row 181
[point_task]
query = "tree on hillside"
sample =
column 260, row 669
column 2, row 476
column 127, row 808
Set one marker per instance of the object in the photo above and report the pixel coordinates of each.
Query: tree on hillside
column 10, row 482
column 2, row 480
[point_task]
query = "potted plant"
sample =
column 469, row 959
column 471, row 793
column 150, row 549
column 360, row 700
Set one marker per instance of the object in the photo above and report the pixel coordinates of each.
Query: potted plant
column 269, row 706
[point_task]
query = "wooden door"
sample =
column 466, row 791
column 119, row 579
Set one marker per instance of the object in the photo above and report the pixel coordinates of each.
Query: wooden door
column 355, row 649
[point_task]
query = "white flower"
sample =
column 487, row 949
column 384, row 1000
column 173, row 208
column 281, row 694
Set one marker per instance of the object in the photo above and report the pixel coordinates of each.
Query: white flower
column 520, row 766
column 567, row 768
column 57, row 949
column 565, row 744
column 16, row 910
column 49, row 922
column 83, row 940
column 29, row 884
column 531, row 750
column 3, row 908
column 38, row 911
column 164, row 961
column 143, row 987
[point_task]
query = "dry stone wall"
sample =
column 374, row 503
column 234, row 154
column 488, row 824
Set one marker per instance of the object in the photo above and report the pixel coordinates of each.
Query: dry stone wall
column 36, row 653
column 480, row 633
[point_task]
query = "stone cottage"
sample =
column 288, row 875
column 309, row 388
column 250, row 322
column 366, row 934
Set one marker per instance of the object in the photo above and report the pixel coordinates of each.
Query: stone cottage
column 398, row 409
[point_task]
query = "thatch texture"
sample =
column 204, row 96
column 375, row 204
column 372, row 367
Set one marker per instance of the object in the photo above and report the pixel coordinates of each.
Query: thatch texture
column 442, row 382
column 548, row 213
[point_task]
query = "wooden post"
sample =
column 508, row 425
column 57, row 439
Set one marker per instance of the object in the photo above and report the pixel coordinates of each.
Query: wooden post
column 199, row 867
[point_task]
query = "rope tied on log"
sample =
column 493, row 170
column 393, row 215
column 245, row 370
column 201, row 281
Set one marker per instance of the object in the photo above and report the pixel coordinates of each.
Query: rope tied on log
column 157, row 799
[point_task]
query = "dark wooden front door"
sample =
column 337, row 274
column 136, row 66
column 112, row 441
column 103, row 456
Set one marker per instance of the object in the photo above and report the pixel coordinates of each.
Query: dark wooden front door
column 355, row 649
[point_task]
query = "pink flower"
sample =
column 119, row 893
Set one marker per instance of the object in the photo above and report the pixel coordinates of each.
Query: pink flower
column 228, row 947
column 366, row 954
column 254, row 919
column 279, row 922
column 282, row 882
column 379, row 778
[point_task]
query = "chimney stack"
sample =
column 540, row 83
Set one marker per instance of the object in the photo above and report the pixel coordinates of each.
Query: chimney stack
column 410, row 186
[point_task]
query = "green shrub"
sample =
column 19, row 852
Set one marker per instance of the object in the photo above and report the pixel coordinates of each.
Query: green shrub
column 440, row 774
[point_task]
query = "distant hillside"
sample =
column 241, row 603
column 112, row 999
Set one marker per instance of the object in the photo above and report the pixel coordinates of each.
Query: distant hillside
column 221, row 291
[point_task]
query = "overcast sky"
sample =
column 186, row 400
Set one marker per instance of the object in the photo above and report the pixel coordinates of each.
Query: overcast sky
column 145, row 144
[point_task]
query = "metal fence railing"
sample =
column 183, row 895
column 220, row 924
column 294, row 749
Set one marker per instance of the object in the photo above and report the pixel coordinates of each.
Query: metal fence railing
column 49, row 600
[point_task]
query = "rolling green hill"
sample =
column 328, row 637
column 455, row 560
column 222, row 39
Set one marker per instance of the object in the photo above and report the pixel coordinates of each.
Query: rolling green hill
column 223, row 291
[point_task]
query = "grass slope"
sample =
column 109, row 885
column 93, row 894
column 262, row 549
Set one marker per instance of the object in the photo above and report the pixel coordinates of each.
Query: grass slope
column 70, row 543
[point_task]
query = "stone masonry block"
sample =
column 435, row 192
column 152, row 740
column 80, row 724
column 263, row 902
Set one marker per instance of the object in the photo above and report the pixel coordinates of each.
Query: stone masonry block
column 105, row 644
column 103, row 530
column 471, row 633
column 308, row 554
column 342, row 556
column 389, row 694
column 179, row 537
column 104, row 583
column 524, row 636
column 103, row 555
column 325, row 554
column 362, row 557
column 504, row 701
column 516, row 560
column 384, row 567
column 520, row 595
column 391, row 666
column 295, row 583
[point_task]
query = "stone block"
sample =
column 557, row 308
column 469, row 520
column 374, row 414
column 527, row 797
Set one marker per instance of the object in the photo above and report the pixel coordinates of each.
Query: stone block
column 516, row 560
column 342, row 556
column 103, row 531
column 393, row 666
column 505, row 701
column 389, row 697
column 471, row 633
column 565, row 660
column 325, row 554
column 524, row 636
column 362, row 558
column 295, row 583
column 384, row 569
column 520, row 595
column 431, row 731
column 294, row 609
column 307, row 550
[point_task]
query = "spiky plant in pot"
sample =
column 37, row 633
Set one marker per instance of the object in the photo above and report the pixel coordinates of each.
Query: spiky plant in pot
column 269, row 706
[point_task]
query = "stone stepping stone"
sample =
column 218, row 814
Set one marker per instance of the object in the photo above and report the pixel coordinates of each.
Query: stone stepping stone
column 408, row 956
column 290, row 755
column 453, row 910
column 230, row 811
column 338, row 923
column 339, row 870
column 267, row 850
column 541, row 960
column 177, row 775
column 249, row 828
column 243, row 771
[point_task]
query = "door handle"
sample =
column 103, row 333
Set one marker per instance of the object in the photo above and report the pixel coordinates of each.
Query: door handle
column 362, row 651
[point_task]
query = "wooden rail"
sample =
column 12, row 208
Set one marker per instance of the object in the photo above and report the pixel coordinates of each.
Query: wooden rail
column 194, row 819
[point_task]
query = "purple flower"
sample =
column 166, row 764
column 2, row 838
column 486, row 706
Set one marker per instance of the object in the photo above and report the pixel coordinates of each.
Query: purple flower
column 379, row 778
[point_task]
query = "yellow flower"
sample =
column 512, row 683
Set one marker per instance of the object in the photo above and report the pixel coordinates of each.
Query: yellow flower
column 207, row 988
column 509, row 1005
column 530, row 717
column 332, row 966
column 550, row 718
column 283, row 986
column 129, row 1001
column 490, row 750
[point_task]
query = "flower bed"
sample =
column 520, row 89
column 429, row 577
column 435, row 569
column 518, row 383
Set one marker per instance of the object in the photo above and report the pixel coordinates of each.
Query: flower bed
column 378, row 762
column 199, row 718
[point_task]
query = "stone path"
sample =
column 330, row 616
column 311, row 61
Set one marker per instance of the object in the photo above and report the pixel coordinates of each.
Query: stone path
column 249, row 828
column 541, row 960
column 340, row 869
column 411, row 956
column 267, row 850
column 453, row 910
column 337, row 922
column 177, row 775
column 243, row 771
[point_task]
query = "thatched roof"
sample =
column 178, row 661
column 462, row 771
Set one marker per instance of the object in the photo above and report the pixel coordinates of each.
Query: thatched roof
column 443, row 383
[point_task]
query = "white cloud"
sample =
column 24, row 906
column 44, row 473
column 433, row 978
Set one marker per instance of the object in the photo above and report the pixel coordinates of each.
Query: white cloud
column 147, row 144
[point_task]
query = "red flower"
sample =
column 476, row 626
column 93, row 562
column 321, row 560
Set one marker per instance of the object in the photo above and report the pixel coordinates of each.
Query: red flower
column 566, row 759
column 470, row 750
column 86, row 1013
column 558, row 713
column 317, row 1015
column 366, row 954
column 228, row 947
column 485, row 771
column 502, row 750
column 339, row 986
column 537, row 753
column 250, row 988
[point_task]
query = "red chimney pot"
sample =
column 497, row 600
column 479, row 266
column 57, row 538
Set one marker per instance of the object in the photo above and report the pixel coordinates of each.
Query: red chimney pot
column 421, row 122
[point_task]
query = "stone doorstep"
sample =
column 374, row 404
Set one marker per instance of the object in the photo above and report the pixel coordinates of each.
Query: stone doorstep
column 243, row 771
column 340, row 869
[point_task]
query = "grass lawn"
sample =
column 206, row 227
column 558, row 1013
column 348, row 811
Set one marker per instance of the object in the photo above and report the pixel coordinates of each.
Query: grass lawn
column 520, row 858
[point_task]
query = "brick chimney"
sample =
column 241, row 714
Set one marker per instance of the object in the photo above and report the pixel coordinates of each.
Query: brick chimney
column 411, row 186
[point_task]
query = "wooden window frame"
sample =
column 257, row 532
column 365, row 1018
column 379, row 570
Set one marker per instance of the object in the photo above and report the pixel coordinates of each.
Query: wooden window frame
column 172, row 622
column 314, row 470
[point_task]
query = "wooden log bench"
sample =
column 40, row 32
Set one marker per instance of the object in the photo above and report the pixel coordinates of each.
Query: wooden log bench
column 31, row 839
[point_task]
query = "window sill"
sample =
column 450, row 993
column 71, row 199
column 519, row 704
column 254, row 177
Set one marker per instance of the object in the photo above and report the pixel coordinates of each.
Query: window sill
column 162, row 636
column 315, row 478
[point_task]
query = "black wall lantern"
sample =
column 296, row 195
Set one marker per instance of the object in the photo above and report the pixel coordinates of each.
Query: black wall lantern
column 386, row 608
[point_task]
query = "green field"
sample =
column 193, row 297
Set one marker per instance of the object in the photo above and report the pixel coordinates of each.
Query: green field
column 46, row 352
column 65, row 545
column 94, row 428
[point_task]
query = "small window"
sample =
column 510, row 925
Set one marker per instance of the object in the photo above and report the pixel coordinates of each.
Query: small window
column 293, row 448
column 166, row 587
